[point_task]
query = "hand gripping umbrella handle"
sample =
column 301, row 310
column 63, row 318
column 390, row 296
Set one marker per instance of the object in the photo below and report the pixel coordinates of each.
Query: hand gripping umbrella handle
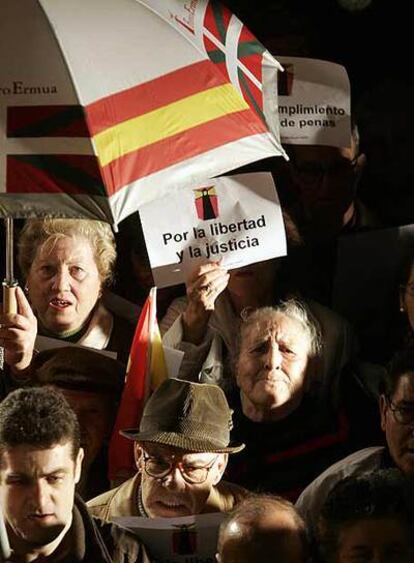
column 9, row 298
column 9, row 284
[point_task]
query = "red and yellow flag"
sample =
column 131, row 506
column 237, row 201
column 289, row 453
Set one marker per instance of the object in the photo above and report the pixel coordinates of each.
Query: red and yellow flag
column 167, row 120
column 145, row 372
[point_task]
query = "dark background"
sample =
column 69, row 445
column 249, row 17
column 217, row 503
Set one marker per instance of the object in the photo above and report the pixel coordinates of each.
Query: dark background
column 374, row 44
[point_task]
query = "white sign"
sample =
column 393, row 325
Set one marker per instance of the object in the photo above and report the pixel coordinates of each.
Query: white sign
column 314, row 103
column 237, row 220
column 189, row 539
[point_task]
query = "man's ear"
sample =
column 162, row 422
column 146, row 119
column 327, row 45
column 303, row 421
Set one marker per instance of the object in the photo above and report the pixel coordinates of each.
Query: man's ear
column 221, row 467
column 78, row 464
column 383, row 406
column 137, row 455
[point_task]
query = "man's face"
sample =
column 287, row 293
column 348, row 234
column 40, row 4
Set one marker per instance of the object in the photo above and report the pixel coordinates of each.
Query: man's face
column 173, row 495
column 37, row 490
column 324, row 178
column 400, row 437
column 272, row 363
column 384, row 540
column 95, row 416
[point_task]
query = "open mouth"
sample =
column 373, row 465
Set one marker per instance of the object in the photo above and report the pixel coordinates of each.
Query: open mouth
column 171, row 503
column 59, row 304
column 172, row 506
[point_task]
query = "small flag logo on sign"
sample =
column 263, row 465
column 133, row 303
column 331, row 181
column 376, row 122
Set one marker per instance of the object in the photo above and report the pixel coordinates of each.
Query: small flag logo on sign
column 206, row 202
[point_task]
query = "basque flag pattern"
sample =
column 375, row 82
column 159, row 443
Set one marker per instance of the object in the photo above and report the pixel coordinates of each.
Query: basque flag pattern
column 44, row 166
column 228, row 44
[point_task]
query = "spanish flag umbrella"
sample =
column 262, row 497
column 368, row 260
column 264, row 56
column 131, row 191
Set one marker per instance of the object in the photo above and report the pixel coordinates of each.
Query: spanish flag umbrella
column 108, row 104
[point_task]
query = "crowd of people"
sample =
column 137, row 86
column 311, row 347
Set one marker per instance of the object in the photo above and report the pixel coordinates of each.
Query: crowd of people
column 286, row 416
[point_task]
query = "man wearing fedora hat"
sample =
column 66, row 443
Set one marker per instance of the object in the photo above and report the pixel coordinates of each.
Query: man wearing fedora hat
column 181, row 451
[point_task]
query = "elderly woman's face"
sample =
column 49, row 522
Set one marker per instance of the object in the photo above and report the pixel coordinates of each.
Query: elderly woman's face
column 407, row 298
column 64, row 284
column 272, row 363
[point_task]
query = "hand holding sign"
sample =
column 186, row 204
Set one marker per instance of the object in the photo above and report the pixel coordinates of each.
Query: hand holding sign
column 18, row 334
column 203, row 287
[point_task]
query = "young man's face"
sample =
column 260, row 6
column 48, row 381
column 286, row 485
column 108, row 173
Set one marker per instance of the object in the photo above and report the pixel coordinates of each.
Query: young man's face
column 173, row 495
column 37, row 488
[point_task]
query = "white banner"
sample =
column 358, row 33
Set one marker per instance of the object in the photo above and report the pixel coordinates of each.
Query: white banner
column 189, row 539
column 314, row 103
column 235, row 219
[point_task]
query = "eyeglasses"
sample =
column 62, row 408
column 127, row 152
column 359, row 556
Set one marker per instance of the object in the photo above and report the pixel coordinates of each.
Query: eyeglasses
column 402, row 414
column 159, row 468
column 313, row 171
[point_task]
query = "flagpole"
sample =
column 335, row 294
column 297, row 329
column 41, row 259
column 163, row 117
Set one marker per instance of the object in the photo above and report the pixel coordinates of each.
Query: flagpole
column 151, row 326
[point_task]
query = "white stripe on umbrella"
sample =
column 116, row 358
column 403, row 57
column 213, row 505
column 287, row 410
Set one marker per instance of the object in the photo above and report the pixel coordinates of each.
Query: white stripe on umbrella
column 222, row 48
column 232, row 44
column 177, row 176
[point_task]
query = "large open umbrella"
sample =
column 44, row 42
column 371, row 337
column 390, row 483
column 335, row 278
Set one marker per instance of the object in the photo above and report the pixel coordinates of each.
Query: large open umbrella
column 105, row 104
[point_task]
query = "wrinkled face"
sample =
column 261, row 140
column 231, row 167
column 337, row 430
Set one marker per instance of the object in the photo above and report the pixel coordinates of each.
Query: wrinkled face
column 64, row 284
column 400, row 437
column 95, row 415
column 253, row 280
column 324, row 178
column 172, row 495
column 37, row 489
column 375, row 540
column 272, row 363
column 407, row 298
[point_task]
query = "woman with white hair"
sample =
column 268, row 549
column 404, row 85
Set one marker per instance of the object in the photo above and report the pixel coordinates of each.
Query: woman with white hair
column 294, row 420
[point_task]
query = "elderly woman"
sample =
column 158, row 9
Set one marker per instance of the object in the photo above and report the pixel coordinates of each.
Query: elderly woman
column 66, row 264
column 294, row 419
column 205, row 324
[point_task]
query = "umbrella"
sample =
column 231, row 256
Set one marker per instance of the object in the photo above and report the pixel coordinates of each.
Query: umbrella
column 107, row 104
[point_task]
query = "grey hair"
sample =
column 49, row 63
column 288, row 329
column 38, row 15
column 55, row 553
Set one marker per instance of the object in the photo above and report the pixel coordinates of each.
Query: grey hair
column 37, row 232
column 293, row 309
